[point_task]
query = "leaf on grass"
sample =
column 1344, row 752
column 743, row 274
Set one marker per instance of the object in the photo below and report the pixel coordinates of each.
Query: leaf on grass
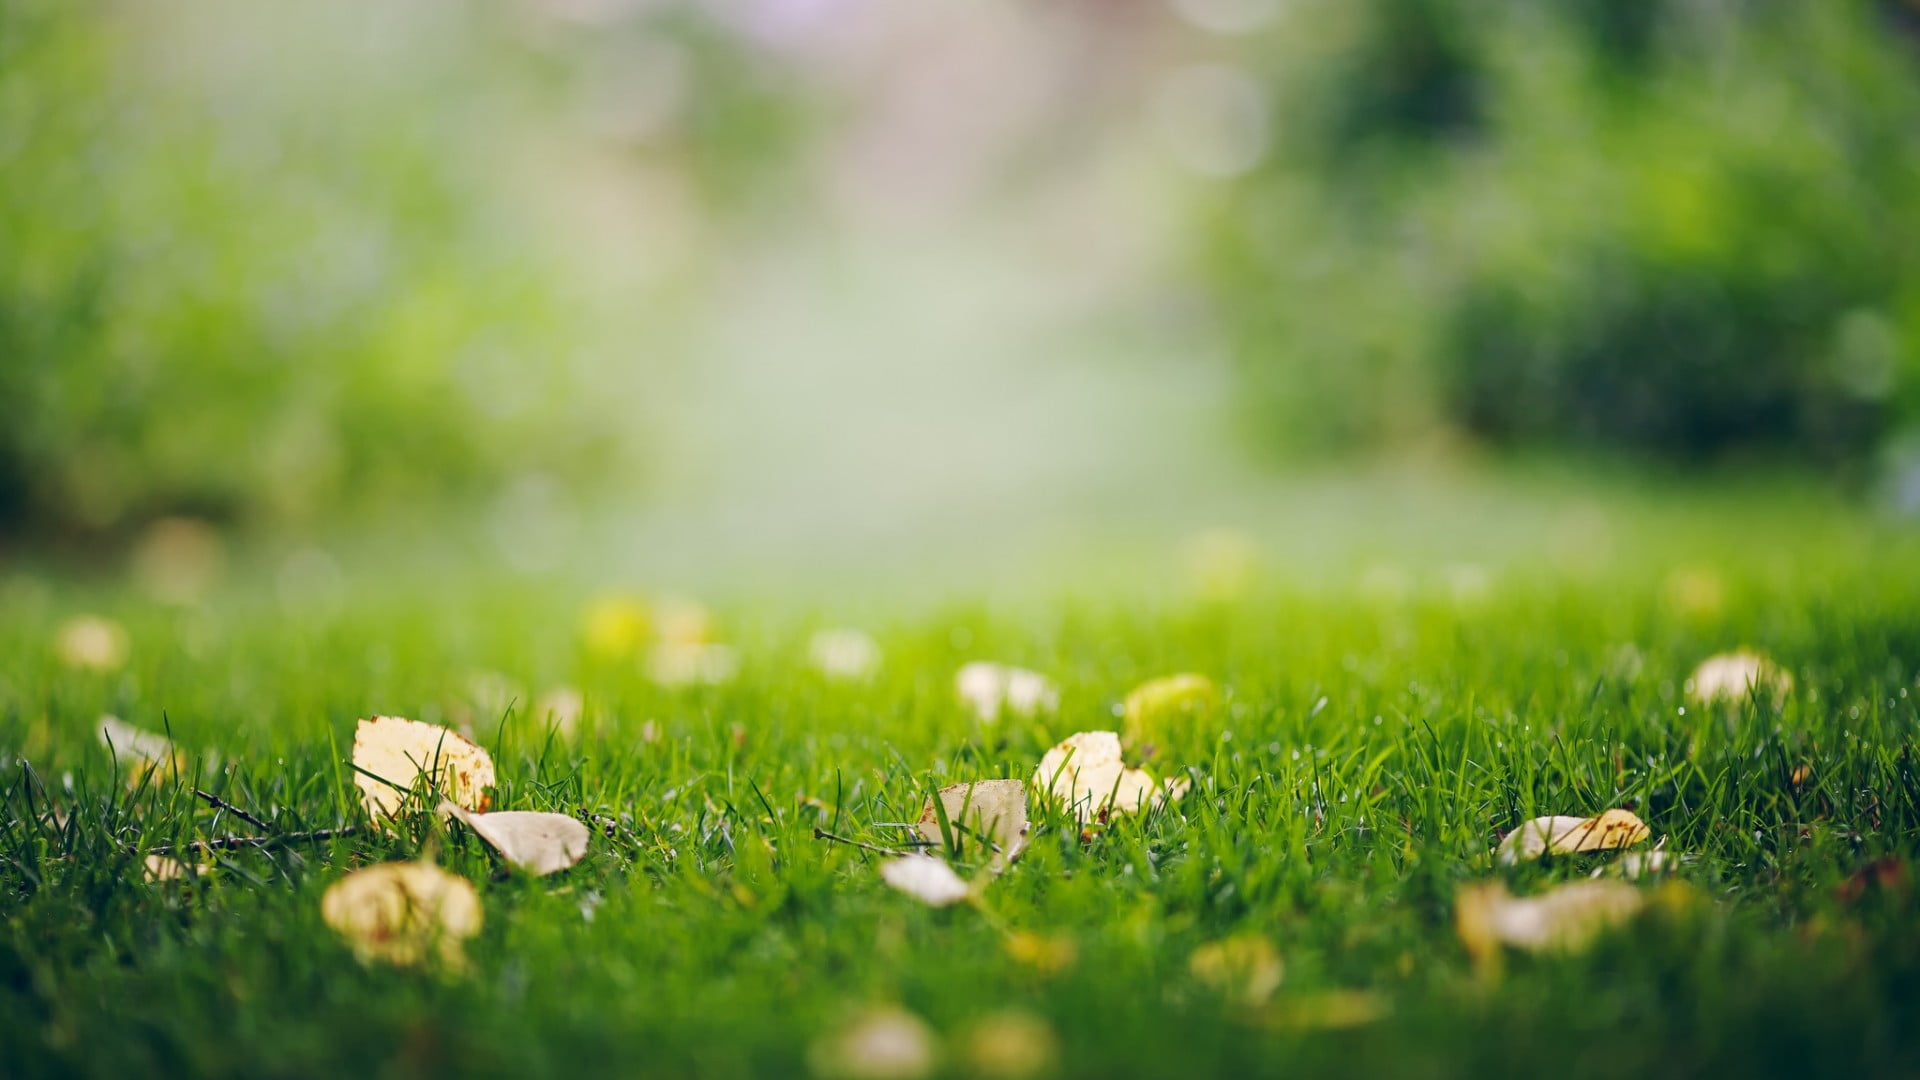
column 995, row 810
column 884, row 1043
column 403, row 913
column 397, row 752
column 993, row 689
column 140, row 752
column 538, row 843
column 1565, row 835
column 1087, row 774
column 1011, row 1044
column 691, row 664
column 1736, row 676
column 161, row 868
column 925, row 878
column 91, row 643
column 561, row 709
column 844, row 653
column 1046, row 954
column 1245, row 969
column 1565, row 918
column 1154, row 706
column 1635, row 865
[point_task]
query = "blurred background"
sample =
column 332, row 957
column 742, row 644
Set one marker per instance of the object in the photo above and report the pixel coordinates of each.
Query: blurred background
column 660, row 287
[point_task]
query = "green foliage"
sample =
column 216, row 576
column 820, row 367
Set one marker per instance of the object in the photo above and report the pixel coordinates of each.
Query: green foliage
column 1669, row 229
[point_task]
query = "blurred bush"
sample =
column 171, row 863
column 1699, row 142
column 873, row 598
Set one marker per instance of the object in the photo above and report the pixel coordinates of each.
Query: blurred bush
column 1676, row 228
column 265, row 265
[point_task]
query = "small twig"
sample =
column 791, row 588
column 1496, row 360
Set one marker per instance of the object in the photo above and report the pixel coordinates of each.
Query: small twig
column 822, row 834
column 228, row 843
column 219, row 803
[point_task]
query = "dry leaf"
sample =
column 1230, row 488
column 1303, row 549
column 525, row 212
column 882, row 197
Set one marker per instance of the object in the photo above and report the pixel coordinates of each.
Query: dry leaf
column 886, row 1043
column 1566, row 918
column 1635, row 865
column 1245, row 969
column 403, row 913
column 1087, row 774
column 397, row 751
column 1011, row 1044
column 1737, row 676
column 561, row 708
column 91, row 642
column 1565, row 835
column 1154, row 705
column 535, row 842
column 993, row 809
column 140, row 752
column 844, row 653
column 161, row 868
column 1048, row 955
column 925, row 878
column 995, row 688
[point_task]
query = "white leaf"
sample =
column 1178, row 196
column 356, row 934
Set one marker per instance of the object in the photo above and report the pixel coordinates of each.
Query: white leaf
column 844, row 653
column 1566, row 835
column 397, row 751
column 538, row 843
column 1566, row 917
column 1086, row 773
column 993, row 809
column 993, row 688
column 1737, row 676
column 403, row 913
column 926, row 879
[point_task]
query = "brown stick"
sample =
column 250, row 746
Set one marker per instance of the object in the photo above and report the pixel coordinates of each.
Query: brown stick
column 228, row 843
column 219, row 803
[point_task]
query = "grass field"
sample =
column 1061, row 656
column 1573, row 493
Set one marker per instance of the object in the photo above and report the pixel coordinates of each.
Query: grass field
column 1384, row 724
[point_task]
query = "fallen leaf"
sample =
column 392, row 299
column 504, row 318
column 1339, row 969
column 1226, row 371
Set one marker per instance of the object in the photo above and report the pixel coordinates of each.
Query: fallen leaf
column 1737, row 676
column 992, row 809
column 1565, row 835
column 615, row 627
column 161, row 868
column 884, row 1043
column 1086, row 773
column 925, row 878
column 1635, row 865
column 403, row 913
column 138, row 751
column 1011, row 1044
column 992, row 689
column 91, row 642
column 1245, row 969
column 538, row 843
column 561, row 708
column 397, row 752
column 1154, row 706
column 844, row 653
column 1564, row 918
column 687, row 664
column 1046, row 954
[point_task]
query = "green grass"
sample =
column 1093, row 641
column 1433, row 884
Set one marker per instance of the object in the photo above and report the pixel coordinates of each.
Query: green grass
column 1374, row 746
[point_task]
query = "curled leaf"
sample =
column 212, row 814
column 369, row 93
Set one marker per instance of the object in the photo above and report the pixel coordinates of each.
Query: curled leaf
column 403, row 913
column 1156, row 706
column 1087, row 774
column 992, row 689
column 925, row 878
column 1244, row 969
column 391, row 754
column 992, row 810
column 885, row 1043
column 1565, row 835
column 1736, row 676
column 535, row 842
column 1565, row 918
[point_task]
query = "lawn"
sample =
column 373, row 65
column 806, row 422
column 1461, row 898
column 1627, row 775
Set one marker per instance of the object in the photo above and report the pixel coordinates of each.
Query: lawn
column 1383, row 725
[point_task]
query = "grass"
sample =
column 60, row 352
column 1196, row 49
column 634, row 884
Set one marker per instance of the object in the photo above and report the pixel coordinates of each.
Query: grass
column 1381, row 732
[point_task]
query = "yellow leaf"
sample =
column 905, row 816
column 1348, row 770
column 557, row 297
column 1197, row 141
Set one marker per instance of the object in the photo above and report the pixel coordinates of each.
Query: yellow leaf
column 397, row 752
column 1564, row 918
column 535, row 842
column 995, row 810
column 1565, row 835
column 403, row 913
column 1245, row 968
column 1156, row 705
